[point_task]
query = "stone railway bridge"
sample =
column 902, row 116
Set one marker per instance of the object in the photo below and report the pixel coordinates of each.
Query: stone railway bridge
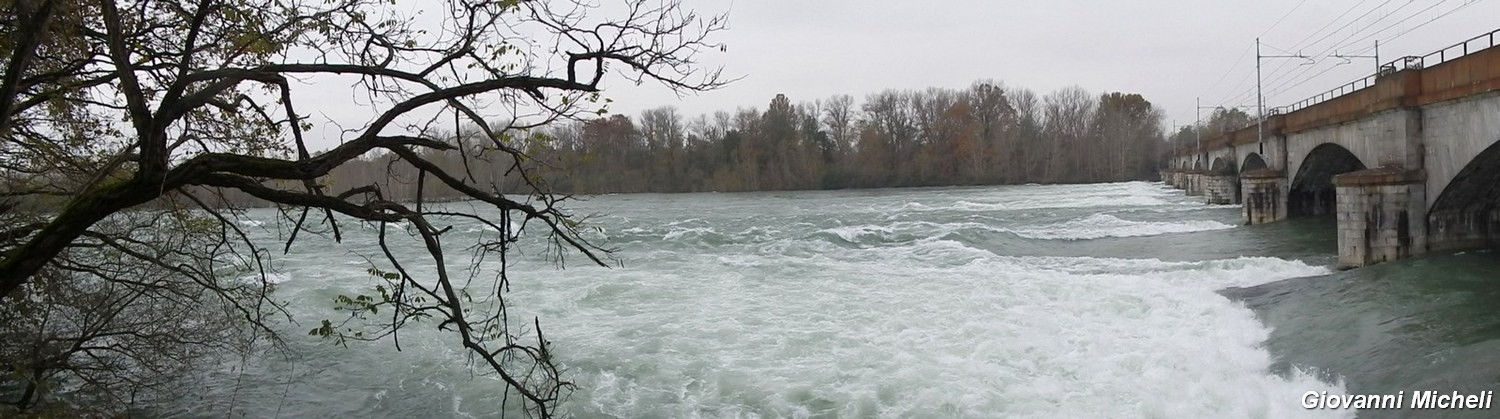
column 1408, row 159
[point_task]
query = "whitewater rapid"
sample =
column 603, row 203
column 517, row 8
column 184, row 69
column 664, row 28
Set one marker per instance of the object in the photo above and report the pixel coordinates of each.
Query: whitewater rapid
column 1034, row 301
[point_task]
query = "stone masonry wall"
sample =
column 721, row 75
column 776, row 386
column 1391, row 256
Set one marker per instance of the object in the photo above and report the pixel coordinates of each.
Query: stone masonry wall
column 1472, row 227
column 1222, row 189
column 1194, row 184
column 1381, row 222
column 1264, row 198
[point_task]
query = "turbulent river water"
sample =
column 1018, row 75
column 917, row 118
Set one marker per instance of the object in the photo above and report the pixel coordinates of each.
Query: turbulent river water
column 1108, row 300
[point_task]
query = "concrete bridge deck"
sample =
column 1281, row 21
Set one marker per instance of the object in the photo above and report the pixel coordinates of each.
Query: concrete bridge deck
column 1406, row 159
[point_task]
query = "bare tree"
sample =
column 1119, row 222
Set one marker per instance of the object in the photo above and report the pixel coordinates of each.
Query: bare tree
column 1029, row 118
column 1068, row 111
column 110, row 108
column 838, row 116
column 117, row 331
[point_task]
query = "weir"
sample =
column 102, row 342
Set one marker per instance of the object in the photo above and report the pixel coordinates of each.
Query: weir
column 1406, row 159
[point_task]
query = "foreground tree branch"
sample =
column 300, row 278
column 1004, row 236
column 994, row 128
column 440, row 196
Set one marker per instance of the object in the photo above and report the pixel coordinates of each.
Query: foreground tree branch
column 117, row 115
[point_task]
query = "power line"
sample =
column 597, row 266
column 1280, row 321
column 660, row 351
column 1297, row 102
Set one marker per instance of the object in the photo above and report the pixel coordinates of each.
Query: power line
column 1249, row 93
column 1277, row 70
column 1342, row 44
column 1231, row 70
column 1283, row 17
column 1292, row 83
column 1356, row 33
column 1467, row 3
column 1236, row 98
column 1276, row 86
column 1259, row 93
column 1278, row 75
column 1351, row 22
column 1247, row 50
column 1281, row 86
column 1283, row 79
column 1393, row 13
column 1246, row 94
column 1335, row 20
column 1313, row 77
column 1279, row 79
column 1277, row 49
column 1275, row 74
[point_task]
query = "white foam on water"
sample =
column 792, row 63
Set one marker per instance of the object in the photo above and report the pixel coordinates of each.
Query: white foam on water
column 932, row 328
column 1221, row 273
column 1171, row 209
column 691, row 232
column 855, row 233
column 778, row 317
column 1078, row 202
column 270, row 278
column 250, row 223
column 902, row 231
column 1098, row 226
column 515, row 229
column 1110, row 195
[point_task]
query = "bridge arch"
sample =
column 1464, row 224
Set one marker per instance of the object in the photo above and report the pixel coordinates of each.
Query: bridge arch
column 1198, row 165
column 1466, row 214
column 1222, row 166
column 1253, row 161
column 1312, row 191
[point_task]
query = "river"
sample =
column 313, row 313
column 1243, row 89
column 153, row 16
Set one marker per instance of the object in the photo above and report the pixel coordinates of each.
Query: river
column 1107, row 300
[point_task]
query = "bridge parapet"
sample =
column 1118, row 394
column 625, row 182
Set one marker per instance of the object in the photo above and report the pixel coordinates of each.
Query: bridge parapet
column 1390, row 92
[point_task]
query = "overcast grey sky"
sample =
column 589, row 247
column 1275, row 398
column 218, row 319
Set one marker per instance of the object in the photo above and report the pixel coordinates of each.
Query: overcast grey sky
column 1170, row 51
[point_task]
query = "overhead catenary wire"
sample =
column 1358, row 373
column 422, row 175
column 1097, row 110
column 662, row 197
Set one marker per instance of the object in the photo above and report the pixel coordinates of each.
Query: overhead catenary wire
column 1351, row 9
column 1282, row 86
column 1351, row 22
column 1425, row 23
column 1289, row 84
column 1346, row 39
column 1279, row 78
column 1226, row 73
column 1242, row 94
column 1347, row 42
column 1281, row 74
column 1246, row 52
column 1263, row 33
column 1283, row 81
column 1287, row 76
column 1466, row 4
column 1283, row 17
column 1313, row 77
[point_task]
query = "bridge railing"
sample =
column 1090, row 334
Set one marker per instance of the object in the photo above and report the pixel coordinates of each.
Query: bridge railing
column 1478, row 43
column 1460, row 49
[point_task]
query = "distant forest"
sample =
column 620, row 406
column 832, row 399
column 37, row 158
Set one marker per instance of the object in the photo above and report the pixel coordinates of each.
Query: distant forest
column 985, row 134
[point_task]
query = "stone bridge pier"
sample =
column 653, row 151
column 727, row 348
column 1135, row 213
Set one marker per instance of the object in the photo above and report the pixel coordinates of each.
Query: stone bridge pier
column 1264, row 194
column 1381, row 215
column 1218, row 183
